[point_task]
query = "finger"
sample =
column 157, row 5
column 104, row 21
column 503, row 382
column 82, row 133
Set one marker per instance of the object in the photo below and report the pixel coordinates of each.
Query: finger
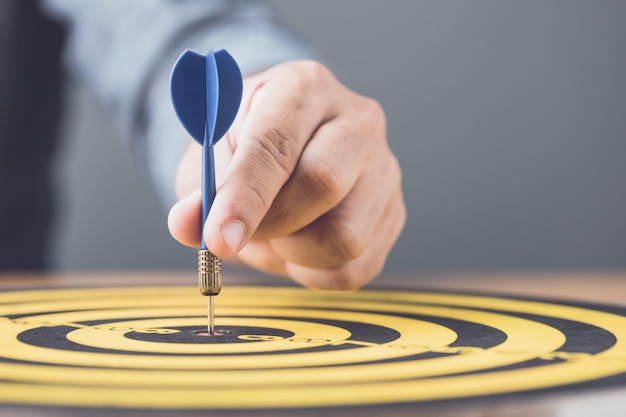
column 327, row 170
column 223, row 158
column 258, row 254
column 343, row 233
column 189, row 174
column 367, row 266
column 183, row 220
column 280, row 119
column 189, row 169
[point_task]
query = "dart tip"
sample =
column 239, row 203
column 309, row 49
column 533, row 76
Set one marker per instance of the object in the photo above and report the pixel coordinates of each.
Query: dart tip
column 211, row 316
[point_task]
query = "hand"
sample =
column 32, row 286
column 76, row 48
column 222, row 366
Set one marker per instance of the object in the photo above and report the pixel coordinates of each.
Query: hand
column 307, row 186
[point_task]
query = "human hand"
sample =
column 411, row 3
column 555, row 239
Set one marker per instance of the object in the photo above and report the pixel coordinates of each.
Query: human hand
column 307, row 186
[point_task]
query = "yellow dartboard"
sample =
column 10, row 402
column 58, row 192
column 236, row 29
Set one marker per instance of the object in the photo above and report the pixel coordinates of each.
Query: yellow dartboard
column 140, row 348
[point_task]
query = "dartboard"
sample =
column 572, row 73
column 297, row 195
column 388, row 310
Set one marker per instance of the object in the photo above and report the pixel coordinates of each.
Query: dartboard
column 288, row 347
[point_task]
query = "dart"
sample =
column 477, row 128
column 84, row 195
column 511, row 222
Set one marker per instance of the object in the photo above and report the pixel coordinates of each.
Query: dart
column 206, row 93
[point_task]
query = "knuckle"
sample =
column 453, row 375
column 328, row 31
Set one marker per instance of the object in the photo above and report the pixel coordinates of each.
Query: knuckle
column 314, row 71
column 402, row 218
column 356, row 274
column 377, row 268
column 373, row 108
column 389, row 168
column 322, row 182
column 304, row 75
column 346, row 279
column 345, row 244
column 262, row 196
column 373, row 114
column 394, row 169
column 278, row 146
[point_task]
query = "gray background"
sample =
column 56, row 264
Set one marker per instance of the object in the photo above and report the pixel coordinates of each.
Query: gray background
column 508, row 119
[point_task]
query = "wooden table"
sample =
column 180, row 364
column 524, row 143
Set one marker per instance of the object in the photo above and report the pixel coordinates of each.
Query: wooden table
column 606, row 287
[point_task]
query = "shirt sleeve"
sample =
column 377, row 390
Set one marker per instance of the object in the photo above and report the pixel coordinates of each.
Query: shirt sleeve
column 123, row 51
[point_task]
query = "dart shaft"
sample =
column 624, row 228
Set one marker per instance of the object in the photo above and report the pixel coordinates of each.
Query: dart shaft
column 208, row 187
column 211, row 315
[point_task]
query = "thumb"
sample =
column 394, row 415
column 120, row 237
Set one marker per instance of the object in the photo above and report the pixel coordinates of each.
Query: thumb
column 251, row 183
column 264, row 159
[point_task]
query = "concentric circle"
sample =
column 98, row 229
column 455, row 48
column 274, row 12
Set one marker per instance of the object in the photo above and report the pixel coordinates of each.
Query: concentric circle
column 291, row 347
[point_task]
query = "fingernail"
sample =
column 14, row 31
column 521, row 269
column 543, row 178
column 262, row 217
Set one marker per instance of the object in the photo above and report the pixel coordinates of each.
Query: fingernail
column 233, row 234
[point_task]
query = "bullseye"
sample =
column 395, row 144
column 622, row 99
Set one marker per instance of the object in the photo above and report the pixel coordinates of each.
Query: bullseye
column 216, row 333
column 291, row 347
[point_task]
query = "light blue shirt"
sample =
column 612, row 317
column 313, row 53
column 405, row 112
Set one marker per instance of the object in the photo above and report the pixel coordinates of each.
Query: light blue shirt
column 123, row 51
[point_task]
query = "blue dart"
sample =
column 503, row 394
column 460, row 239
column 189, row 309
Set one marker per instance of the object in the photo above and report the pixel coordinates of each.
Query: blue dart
column 206, row 93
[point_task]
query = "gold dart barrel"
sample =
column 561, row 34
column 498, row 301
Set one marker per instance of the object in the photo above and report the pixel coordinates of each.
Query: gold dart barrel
column 209, row 273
